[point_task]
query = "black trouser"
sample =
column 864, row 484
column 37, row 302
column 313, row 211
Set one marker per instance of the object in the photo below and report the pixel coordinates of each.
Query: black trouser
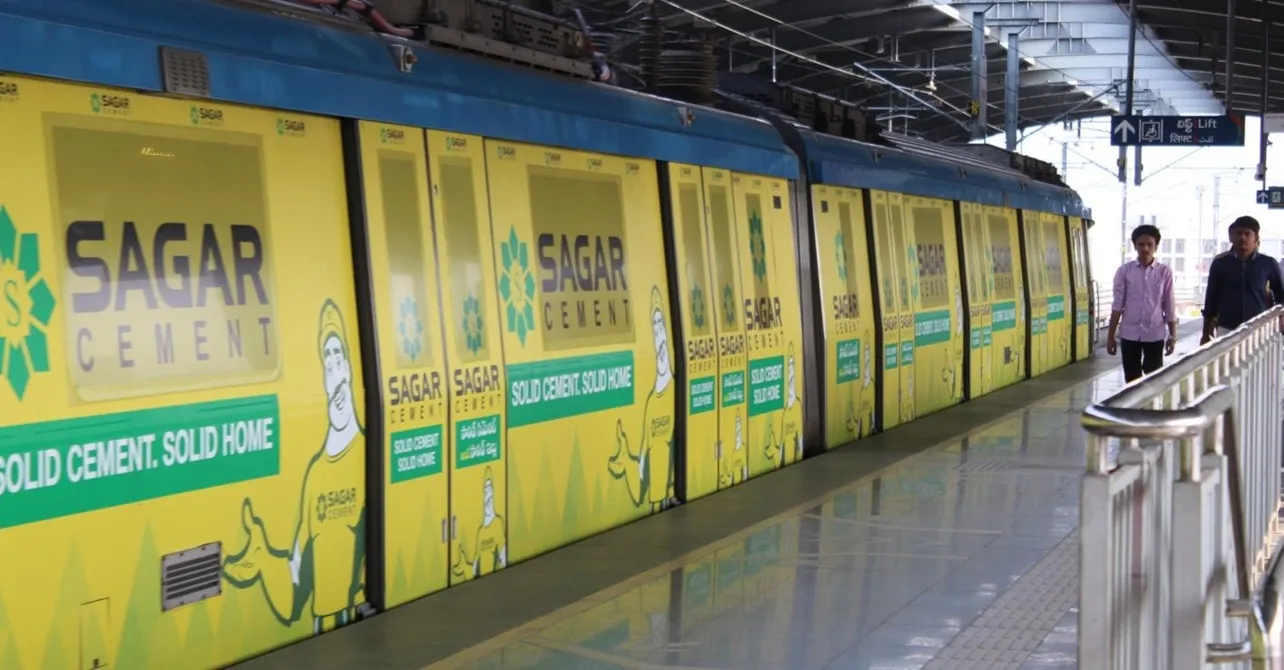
column 1141, row 357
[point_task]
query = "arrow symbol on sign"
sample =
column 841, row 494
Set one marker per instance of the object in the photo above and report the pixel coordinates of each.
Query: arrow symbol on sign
column 1123, row 129
column 1263, row 197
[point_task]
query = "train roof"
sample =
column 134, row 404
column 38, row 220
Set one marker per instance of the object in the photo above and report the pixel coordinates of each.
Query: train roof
column 263, row 59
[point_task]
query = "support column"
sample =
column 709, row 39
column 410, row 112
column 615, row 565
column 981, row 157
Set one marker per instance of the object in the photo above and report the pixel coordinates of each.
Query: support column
column 1132, row 78
column 980, row 77
column 1230, row 56
column 1266, row 93
column 1012, row 96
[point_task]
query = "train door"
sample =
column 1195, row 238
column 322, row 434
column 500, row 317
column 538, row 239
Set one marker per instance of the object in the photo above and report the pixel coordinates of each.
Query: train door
column 1082, row 300
column 698, row 313
column 474, row 353
column 847, row 308
column 726, row 297
column 1008, row 314
column 902, row 237
column 411, row 359
column 1036, row 273
column 938, row 303
column 772, row 321
column 980, row 288
column 894, row 302
column 1059, row 325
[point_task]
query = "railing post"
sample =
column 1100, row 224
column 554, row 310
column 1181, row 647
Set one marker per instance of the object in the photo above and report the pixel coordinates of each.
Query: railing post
column 1096, row 639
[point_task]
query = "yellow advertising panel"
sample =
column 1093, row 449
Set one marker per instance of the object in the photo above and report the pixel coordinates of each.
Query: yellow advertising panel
column 848, row 308
column 1032, row 230
column 1008, row 308
column 726, row 309
column 411, row 365
column 700, row 329
column 168, row 331
column 1082, row 300
column 586, row 339
column 773, row 323
column 979, row 261
column 897, row 316
column 1060, row 322
column 470, row 318
column 937, row 298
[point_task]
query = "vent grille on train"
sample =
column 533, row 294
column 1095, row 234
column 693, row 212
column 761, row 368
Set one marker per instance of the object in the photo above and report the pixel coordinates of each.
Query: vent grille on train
column 185, row 72
column 191, row 576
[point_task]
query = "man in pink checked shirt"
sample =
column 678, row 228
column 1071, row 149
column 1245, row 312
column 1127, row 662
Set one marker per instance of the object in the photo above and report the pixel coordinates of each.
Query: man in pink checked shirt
column 1143, row 317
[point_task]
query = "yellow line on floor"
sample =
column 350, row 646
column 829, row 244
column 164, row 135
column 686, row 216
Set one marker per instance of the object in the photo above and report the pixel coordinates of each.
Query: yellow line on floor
column 534, row 626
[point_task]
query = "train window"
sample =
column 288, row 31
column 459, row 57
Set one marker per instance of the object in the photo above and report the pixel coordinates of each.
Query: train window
column 929, row 236
column 1052, row 232
column 578, row 223
column 886, row 272
column 201, row 317
column 899, row 253
column 724, row 257
column 467, row 288
column 399, row 191
column 846, row 252
column 690, row 226
column 1001, row 255
column 758, row 247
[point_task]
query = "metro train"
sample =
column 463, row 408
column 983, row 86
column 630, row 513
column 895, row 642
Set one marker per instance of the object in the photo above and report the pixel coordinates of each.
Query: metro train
column 293, row 332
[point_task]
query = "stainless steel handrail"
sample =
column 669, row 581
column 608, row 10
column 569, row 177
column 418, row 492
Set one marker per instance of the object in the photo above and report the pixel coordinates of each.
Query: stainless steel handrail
column 1217, row 403
column 1131, row 414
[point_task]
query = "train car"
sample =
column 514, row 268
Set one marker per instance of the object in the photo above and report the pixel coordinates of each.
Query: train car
column 294, row 332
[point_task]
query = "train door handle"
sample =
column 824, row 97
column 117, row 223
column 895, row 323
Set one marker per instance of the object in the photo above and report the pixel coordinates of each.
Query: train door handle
column 454, row 527
column 444, row 536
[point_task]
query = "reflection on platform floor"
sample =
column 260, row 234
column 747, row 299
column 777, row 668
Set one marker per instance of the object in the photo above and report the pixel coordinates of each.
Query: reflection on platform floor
column 948, row 543
column 964, row 556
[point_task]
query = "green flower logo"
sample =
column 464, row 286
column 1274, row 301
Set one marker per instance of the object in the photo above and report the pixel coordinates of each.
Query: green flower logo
column 280, row 126
column 729, row 305
column 517, row 286
column 757, row 245
column 841, row 252
column 196, row 116
column 697, row 306
column 411, row 329
column 26, row 306
column 95, row 103
column 472, row 324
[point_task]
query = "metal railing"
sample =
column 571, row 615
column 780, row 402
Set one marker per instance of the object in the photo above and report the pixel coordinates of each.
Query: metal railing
column 1179, row 567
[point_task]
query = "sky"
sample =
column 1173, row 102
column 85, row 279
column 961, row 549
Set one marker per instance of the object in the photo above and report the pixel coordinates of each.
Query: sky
column 1170, row 188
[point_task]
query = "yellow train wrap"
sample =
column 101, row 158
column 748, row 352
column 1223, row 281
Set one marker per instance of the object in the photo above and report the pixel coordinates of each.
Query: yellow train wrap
column 183, row 376
column 587, row 342
column 847, row 306
column 1082, row 297
column 772, row 318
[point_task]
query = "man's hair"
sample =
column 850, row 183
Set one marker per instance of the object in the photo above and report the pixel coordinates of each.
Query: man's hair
column 1245, row 222
column 1145, row 230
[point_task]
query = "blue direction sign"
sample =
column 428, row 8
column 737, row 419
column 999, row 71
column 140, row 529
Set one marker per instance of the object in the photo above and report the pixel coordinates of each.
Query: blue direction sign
column 1272, row 197
column 1177, row 131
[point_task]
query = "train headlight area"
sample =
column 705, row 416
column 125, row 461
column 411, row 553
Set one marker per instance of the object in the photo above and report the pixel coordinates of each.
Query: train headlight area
column 290, row 336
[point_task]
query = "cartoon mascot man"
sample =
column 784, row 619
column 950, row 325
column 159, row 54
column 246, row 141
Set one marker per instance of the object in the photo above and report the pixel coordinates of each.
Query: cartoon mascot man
column 790, row 448
column 735, row 468
column 490, row 553
column 326, row 560
column 647, row 471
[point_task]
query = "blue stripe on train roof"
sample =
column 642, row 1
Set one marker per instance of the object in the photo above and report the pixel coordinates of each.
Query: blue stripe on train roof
column 843, row 162
column 267, row 61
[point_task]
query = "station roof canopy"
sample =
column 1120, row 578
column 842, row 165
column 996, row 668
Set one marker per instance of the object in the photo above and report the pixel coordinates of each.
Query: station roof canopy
column 910, row 60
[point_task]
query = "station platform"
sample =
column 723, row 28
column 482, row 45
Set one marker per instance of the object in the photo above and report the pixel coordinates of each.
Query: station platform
column 948, row 543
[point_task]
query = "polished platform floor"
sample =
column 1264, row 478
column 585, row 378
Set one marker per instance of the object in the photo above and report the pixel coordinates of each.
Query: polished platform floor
column 948, row 543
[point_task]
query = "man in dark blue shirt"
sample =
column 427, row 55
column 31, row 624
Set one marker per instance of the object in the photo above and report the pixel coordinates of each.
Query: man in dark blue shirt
column 1238, row 282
